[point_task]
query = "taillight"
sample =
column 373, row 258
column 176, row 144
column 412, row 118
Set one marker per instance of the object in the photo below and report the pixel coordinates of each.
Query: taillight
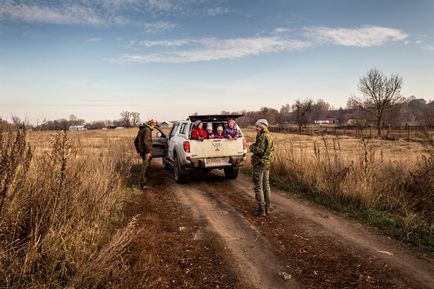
column 186, row 145
column 245, row 144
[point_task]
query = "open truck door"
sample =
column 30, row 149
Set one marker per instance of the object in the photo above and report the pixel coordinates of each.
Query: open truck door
column 159, row 143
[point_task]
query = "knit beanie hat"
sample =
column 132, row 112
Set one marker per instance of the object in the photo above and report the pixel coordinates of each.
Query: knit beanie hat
column 209, row 126
column 197, row 122
column 262, row 123
column 219, row 128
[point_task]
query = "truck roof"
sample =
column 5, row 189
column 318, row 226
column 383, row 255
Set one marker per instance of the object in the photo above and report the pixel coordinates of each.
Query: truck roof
column 214, row 117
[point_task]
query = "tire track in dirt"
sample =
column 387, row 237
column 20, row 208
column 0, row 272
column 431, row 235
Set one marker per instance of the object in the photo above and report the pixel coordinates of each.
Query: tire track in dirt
column 397, row 266
column 416, row 264
column 172, row 248
column 318, row 248
column 252, row 254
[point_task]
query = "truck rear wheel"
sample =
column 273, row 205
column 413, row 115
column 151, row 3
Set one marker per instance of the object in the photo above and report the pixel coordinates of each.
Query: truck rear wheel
column 180, row 177
column 231, row 172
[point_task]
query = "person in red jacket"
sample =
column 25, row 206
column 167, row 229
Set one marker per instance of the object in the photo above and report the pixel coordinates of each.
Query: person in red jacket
column 198, row 133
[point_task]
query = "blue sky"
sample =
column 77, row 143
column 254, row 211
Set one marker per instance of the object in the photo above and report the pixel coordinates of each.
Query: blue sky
column 167, row 58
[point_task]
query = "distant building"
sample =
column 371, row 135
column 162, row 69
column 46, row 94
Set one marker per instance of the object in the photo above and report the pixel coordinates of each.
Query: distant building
column 326, row 121
column 77, row 127
column 358, row 122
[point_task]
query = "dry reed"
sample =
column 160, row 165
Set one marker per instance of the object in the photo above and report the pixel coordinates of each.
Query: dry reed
column 59, row 205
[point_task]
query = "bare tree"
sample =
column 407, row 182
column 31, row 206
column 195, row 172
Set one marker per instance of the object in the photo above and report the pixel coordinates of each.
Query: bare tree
column 73, row 120
column 429, row 114
column 16, row 121
column 285, row 109
column 270, row 114
column 379, row 94
column 135, row 118
column 126, row 118
column 301, row 109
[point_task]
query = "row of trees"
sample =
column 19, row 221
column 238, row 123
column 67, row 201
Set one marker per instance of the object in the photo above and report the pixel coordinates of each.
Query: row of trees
column 127, row 119
column 411, row 111
column 380, row 104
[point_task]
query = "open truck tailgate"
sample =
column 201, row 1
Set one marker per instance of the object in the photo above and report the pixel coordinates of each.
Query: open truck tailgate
column 212, row 148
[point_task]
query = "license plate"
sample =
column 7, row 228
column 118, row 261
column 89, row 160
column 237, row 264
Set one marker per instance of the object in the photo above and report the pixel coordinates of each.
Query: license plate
column 215, row 161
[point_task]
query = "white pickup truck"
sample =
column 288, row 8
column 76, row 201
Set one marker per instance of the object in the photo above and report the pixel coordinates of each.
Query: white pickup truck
column 183, row 154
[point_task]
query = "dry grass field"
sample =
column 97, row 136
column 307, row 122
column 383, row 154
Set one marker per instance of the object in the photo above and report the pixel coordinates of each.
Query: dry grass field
column 60, row 203
column 62, row 197
column 388, row 184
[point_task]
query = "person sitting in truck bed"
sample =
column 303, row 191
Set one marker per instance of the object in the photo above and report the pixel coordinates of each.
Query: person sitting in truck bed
column 198, row 133
column 219, row 134
column 231, row 131
column 209, row 132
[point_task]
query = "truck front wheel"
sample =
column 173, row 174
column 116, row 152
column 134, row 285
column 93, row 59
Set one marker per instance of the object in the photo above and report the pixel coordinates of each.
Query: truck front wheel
column 231, row 172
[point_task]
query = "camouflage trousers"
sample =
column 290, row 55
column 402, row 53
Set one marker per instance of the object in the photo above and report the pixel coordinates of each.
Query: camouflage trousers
column 144, row 172
column 261, row 184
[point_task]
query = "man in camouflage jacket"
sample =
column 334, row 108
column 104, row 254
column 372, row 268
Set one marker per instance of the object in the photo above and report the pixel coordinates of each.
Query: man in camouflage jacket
column 145, row 149
column 261, row 160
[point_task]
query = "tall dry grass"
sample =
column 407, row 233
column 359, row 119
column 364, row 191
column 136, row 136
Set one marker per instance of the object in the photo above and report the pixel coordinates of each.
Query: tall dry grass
column 387, row 184
column 59, row 207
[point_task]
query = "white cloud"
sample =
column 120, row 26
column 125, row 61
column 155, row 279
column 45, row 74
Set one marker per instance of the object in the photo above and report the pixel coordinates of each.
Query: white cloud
column 95, row 39
column 280, row 30
column 362, row 37
column 209, row 49
column 158, row 27
column 116, row 4
column 93, row 12
column 160, row 5
column 428, row 47
column 69, row 14
column 167, row 43
column 217, row 11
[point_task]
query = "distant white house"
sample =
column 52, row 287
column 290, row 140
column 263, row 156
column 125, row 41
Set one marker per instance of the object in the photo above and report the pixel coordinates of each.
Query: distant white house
column 326, row 121
column 77, row 127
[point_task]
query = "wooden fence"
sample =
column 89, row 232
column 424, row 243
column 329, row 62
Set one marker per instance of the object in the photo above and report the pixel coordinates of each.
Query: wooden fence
column 415, row 133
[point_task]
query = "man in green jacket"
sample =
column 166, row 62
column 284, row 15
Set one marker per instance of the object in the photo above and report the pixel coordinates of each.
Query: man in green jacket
column 145, row 149
column 261, row 160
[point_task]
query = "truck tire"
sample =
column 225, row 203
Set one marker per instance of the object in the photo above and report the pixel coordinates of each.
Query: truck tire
column 231, row 172
column 180, row 176
column 166, row 164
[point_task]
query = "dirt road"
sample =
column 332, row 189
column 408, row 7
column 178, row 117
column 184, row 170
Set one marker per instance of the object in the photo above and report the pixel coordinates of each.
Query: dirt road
column 299, row 245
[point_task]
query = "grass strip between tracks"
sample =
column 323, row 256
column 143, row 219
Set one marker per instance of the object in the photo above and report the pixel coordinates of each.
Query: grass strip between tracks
column 389, row 222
